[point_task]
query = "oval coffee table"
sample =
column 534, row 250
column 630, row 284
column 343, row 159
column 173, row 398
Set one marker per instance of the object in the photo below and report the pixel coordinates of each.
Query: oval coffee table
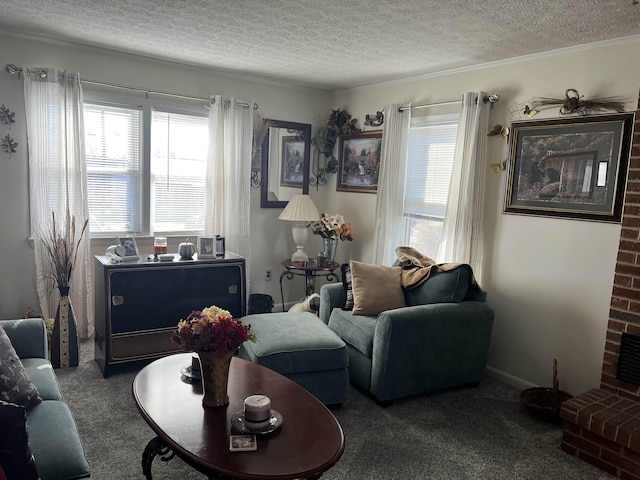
column 308, row 443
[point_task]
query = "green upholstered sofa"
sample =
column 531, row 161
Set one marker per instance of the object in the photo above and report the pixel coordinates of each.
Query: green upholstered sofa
column 52, row 433
column 439, row 340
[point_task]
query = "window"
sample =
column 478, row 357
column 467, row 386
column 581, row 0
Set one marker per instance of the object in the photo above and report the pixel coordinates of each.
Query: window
column 145, row 184
column 432, row 142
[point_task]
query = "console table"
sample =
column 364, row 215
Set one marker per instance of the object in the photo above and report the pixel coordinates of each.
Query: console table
column 310, row 271
column 138, row 303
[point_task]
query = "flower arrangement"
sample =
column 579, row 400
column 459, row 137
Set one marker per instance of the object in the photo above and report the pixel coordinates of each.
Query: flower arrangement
column 61, row 248
column 211, row 329
column 332, row 226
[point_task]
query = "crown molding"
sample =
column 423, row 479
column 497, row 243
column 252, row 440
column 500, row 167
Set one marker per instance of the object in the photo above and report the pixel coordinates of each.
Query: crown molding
column 497, row 63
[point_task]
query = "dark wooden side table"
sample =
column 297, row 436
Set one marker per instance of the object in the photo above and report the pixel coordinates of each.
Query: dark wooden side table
column 308, row 443
column 310, row 271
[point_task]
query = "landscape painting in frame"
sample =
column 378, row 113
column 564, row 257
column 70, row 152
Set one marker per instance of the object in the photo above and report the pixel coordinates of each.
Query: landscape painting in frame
column 359, row 162
column 292, row 171
column 570, row 168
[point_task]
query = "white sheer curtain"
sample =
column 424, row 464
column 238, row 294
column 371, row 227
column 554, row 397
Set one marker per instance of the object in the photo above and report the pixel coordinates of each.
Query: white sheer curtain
column 228, row 180
column 462, row 236
column 58, row 181
column 389, row 226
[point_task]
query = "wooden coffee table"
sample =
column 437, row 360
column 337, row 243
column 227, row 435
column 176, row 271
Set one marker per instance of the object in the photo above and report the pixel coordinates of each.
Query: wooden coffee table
column 308, row 443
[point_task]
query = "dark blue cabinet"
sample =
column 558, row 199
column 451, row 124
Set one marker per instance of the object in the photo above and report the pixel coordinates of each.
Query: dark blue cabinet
column 138, row 304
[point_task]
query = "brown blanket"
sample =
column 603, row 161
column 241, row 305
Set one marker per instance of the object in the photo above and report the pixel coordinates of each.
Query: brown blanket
column 416, row 267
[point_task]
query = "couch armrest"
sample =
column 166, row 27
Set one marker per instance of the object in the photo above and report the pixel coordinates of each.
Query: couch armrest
column 427, row 347
column 28, row 337
column 331, row 296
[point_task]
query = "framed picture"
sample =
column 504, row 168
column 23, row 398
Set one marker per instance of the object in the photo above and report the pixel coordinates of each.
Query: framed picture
column 130, row 247
column 292, row 167
column 569, row 167
column 207, row 247
column 359, row 162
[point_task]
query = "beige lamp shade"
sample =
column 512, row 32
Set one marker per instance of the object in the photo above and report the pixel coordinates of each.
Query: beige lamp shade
column 300, row 209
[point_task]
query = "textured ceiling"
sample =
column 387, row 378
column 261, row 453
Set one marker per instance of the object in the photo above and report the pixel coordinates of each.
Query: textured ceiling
column 328, row 44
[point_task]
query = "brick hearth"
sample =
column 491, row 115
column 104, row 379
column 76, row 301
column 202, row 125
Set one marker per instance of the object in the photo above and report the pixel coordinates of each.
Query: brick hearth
column 602, row 426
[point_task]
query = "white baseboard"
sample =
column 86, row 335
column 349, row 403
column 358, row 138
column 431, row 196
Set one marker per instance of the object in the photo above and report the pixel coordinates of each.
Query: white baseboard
column 509, row 379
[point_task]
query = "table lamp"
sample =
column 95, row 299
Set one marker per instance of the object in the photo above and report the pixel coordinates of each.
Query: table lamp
column 301, row 210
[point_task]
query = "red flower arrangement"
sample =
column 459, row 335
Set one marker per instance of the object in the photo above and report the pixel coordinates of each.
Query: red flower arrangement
column 211, row 329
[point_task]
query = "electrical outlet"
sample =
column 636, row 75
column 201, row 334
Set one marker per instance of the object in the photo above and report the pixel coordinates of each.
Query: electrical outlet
column 267, row 274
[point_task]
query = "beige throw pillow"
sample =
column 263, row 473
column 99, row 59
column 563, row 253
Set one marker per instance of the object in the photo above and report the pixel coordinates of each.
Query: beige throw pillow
column 376, row 288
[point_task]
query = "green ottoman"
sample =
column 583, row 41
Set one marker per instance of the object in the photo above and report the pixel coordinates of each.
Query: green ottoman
column 304, row 349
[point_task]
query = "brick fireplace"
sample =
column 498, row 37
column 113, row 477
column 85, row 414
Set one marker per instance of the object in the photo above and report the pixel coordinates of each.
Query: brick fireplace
column 602, row 426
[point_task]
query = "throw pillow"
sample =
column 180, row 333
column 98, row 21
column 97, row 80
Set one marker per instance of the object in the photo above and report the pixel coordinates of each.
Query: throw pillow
column 376, row 288
column 16, row 459
column 347, row 285
column 15, row 385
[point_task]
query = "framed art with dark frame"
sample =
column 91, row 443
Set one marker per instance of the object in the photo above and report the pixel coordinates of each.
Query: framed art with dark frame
column 569, row 167
column 359, row 162
column 292, row 171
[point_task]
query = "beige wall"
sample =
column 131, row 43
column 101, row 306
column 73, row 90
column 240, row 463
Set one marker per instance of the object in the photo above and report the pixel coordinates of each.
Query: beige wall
column 548, row 280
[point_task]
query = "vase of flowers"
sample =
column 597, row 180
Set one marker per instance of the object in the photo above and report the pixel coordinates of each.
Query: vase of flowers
column 215, row 336
column 332, row 227
column 60, row 247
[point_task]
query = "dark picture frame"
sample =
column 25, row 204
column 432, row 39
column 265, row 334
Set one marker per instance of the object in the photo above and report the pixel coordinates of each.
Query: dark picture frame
column 359, row 162
column 569, row 167
column 292, row 165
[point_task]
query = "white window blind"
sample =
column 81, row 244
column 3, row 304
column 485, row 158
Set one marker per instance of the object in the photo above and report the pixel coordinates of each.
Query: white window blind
column 114, row 153
column 431, row 147
column 178, row 167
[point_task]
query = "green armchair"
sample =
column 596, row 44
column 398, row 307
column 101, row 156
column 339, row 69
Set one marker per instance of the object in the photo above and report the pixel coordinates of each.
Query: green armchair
column 439, row 340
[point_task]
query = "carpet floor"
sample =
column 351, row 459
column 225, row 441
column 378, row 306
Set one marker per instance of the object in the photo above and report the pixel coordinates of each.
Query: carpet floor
column 465, row 433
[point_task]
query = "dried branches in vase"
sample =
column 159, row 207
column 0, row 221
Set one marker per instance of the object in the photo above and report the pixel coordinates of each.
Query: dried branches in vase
column 61, row 248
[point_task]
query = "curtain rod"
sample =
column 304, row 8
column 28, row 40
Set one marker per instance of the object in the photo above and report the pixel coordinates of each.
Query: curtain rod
column 492, row 97
column 13, row 70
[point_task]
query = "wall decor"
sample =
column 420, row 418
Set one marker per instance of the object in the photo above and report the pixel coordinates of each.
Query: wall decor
column 359, row 162
column 374, row 120
column 338, row 123
column 8, row 145
column 574, row 103
column 569, row 168
column 7, row 117
column 291, row 171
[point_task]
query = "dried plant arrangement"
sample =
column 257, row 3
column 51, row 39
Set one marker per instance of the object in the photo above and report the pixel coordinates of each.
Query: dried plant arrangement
column 61, row 248
column 574, row 103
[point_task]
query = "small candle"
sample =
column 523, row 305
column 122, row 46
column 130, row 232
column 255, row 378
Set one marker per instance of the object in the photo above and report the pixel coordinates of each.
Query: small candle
column 257, row 408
